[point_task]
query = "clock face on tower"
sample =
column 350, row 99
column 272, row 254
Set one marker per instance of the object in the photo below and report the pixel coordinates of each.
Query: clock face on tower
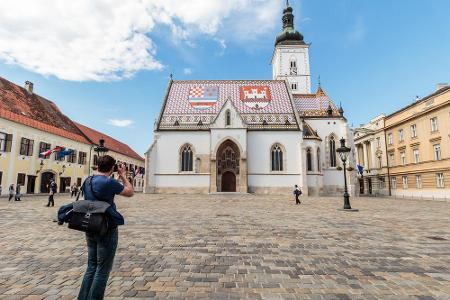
column 293, row 71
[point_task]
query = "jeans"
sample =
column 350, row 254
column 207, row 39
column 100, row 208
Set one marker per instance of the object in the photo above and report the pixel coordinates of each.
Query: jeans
column 101, row 252
column 51, row 201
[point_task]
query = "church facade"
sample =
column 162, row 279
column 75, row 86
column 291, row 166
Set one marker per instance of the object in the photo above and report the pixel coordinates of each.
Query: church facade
column 250, row 136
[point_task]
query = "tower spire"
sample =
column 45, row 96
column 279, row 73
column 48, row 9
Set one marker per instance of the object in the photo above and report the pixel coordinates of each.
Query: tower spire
column 289, row 35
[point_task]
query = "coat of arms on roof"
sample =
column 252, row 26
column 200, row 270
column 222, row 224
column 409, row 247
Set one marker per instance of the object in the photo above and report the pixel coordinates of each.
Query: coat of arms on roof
column 255, row 96
column 203, row 97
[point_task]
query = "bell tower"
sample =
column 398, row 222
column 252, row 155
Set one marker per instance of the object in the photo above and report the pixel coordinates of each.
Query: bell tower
column 290, row 59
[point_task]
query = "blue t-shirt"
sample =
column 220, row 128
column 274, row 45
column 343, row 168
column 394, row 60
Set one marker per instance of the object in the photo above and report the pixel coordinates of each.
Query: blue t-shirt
column 105, row 188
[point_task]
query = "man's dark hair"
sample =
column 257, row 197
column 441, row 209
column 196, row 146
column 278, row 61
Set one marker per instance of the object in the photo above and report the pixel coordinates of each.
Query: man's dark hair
column 105, row 163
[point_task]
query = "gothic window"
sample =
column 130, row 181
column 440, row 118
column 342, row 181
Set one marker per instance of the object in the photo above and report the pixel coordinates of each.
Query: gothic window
column 277, row 158
column 332, row 146
column 309, row 160
column 227, row 118
column 318, row 159
column 186, row 159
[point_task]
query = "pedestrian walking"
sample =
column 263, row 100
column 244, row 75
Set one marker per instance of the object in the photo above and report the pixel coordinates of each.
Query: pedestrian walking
column 53, row 188
column 18, row 194
column 297, row 193
column 11, row 192
column 73, row 190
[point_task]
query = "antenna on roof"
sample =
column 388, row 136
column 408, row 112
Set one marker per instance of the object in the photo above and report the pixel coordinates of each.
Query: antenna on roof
column 171, row 75
column 319, row 81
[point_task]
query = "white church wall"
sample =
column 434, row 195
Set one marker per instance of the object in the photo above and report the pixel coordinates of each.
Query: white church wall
column 261, row 179
column 239, row 136
column 167, row 173
column 314, row 177
column 333, row 180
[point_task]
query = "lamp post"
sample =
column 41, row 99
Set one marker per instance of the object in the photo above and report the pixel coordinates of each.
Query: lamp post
column 101, row 149
column 343, row 152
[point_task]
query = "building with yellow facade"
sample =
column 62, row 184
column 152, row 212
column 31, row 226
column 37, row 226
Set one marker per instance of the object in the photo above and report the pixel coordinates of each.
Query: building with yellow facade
column 416, row 157
column 31, row 125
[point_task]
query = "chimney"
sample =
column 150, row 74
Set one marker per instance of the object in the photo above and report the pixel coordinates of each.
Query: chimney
column 29, row 86
column 441, row 85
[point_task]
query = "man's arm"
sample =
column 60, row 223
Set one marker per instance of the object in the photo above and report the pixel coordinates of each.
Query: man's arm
column 128, row 190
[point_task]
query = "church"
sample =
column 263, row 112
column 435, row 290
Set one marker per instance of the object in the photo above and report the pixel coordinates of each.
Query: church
column 250, row 136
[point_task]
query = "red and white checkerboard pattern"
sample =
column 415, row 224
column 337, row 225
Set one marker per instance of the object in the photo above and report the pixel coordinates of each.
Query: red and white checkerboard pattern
column 196, row 92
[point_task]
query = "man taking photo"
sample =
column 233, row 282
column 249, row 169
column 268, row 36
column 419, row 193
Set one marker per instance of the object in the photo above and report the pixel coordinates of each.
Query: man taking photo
column 102, row 248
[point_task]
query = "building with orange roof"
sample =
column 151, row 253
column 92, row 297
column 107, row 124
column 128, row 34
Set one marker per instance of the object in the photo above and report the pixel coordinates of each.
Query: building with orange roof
column 31, row 125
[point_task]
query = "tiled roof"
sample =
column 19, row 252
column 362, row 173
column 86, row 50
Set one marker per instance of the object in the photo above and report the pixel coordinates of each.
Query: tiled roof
column 110, row 143
column 179, row 112
column 20, row 106
column 309, row 132
column 315, row 105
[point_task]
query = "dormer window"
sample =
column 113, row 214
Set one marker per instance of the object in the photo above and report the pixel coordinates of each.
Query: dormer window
column 227, row 118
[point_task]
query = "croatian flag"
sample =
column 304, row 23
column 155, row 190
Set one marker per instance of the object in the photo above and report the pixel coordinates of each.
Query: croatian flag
column 203, row 97
column 48, row 152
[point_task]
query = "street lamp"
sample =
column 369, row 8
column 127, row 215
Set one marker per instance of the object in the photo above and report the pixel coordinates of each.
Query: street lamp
column 41, row 165
column 343, row 152
column 101, row 149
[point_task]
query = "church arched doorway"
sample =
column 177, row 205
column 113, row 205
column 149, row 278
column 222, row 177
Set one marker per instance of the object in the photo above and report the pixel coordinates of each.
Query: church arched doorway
column 228, row 161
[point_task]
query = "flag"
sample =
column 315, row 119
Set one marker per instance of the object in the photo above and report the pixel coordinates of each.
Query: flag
column 64, row 152
column 360, row 169
column 203, row 97
column 46, row 153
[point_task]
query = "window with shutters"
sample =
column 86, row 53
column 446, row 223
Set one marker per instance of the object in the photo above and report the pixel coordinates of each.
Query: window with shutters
column 3, row 141
column 72, row 158
column 82, row 158
column 26, row 147
column 43, row 147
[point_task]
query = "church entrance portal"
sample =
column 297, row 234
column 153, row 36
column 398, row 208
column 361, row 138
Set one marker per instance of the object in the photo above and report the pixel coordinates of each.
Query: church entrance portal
column 228, row 157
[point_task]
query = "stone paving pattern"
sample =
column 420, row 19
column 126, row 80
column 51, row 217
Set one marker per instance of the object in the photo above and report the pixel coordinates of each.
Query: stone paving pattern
column 237, row 246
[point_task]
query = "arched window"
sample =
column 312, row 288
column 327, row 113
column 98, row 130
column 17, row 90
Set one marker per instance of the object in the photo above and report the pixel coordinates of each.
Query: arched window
column 293, row 63
column 186, row 159
column 332, row 146
column 277, row 158
column 227, row 118
column 309, row 166
column 318, row 159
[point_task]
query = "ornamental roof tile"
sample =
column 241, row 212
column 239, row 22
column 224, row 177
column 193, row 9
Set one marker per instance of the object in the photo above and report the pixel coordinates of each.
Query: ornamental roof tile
column 110, row 143
column 256, row 100
column 315, row 105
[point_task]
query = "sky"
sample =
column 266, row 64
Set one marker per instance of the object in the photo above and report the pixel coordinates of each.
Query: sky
column 106, row 63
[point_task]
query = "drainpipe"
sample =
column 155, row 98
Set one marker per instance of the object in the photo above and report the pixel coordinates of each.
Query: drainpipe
column 387, row 162
column 90, row 157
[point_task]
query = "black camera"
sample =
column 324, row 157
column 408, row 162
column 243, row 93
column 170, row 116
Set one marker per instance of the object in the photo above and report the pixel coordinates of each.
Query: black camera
column 116, row 167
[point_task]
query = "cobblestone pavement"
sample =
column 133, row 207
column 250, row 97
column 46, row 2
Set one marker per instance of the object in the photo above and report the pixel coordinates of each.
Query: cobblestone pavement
column 237, row 246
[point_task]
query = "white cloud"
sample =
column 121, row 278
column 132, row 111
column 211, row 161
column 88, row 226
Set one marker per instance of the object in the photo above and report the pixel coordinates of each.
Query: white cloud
column 105, row 40
column 358, row 31
column 120, row 123
column 187, row 71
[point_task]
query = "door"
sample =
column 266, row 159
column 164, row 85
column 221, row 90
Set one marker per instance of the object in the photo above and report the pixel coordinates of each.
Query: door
column 31, row 184
column 228, row 182
column 361, row 186
column 369, row 182
column 45, row 181
column 64, row 183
